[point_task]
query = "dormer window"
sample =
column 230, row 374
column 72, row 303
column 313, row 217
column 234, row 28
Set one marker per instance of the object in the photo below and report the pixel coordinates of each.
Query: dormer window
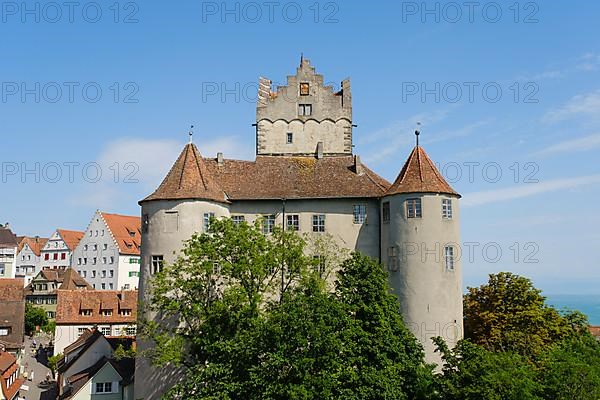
column 85, row 312
column 125, row 312
column 106, row 313
column 290, row 138
column 305, row 110
column 304, row 89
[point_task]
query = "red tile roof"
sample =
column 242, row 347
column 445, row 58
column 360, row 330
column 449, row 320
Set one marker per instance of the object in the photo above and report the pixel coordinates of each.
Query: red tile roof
column 35, row 244
column 71, row 238
column 11, row 290
column 189, row 179
column 67, row 279
column 127, row 232
column 268, row 177
column 6, row 361
column 8, row 366
column 419, row 175
column 7, row 238
column 71, row 302
column 12, row 312
column 595, row 331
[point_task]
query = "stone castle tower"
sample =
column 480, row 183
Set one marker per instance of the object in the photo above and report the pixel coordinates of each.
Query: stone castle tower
column 306, row 177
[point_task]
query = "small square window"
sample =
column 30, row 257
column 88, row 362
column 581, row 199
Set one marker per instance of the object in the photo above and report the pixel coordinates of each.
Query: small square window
column 304, row 89
column 305, row 109
column 318, row 223
column 413, row 208
column 360, row 213
column 393, row 258
column 290, row 138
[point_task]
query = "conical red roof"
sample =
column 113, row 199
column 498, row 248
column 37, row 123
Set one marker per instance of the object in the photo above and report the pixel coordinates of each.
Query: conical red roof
column 419, row 175
column 189, row 179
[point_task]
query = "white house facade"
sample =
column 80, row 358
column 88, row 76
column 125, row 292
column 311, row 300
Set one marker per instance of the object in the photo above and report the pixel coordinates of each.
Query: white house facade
column 108, row 255
column 57, row 253
column 29, row 260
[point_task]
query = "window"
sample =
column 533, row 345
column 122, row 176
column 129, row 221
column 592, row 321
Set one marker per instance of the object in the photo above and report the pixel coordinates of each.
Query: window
column 2, row 269
column 290, row 138
column 105, row 246
column 104, row 387
column 393, row 258
column 85, row 247
column 102, row 232
column 449, row 257
column 106, row 313
column 104, row 273
column 133, row 274
column 111, row 273
column 103, row 286
column 126, row 286
column 125, row 312
column 51, row 314
column 130, row 331
column 94, row 261
column 318, row 223
column 84, row 274
column 145, row 223
column 268, row 223
column 104, row 260
column 446, row 209
column 46, row 256
column 304, row 89
column 4, row 331
column 84, row 260
column 206, row 220
column 85, row 312
column 360, row 214
column 110, row 286
column 305, row 109
column 413, row 208
column 293, row 222
column 238, row 219
column 79, row 261
column 90, row 235
column 385, row 212
column 96, row 233
column 320, row 264
column 112, row 260
column 81, row 331
column 157, row 264
column 55, row 257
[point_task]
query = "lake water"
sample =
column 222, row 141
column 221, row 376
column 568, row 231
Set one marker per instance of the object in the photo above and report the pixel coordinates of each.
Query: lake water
column 587, row 304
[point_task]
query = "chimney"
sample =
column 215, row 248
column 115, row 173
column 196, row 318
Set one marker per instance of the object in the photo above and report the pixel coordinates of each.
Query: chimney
column 319, row 150
column 220, row 160
column 358, row 167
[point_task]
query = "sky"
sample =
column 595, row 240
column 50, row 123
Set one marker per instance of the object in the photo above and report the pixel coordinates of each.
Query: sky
column 97, row 99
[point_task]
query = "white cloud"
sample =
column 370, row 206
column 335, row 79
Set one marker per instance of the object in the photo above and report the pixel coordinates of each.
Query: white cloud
column 584, row 104
column 589, row 62
column 579, row 144
column 527, row 190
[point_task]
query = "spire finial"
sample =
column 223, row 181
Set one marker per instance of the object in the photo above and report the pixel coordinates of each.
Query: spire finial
column 418, row 132
column 191, row 134
column 301, row 59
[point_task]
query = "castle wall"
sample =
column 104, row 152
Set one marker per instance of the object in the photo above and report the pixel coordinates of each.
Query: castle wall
column 430, row 295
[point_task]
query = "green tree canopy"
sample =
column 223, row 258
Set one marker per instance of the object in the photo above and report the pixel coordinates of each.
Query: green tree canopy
column 253, row 317
column 510, row 314
column 34, row 317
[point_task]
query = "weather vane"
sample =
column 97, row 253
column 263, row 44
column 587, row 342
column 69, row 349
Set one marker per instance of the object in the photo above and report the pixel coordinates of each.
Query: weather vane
column 418, row 132
column 191, row 133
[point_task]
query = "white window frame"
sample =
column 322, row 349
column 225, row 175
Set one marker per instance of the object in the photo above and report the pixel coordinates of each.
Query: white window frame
column 449, row 258
column 414, row 208
column 318, row 223
column 447, row 208
column 359, row 212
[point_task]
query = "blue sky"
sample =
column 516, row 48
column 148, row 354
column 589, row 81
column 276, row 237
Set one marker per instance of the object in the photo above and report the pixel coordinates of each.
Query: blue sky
column 154, row 61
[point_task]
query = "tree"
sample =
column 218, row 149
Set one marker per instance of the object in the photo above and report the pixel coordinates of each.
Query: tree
column 509, row 314
column 471, row 372
column 52, row 362
column 120, row 352
column 571, row 369
column 247, row 316
column 34, row 317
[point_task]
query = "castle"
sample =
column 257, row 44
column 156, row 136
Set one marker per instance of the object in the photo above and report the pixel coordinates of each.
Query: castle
column 306, row 177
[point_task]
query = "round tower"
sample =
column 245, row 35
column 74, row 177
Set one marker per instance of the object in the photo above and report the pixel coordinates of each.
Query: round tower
column 421, row 249
column 181, row 206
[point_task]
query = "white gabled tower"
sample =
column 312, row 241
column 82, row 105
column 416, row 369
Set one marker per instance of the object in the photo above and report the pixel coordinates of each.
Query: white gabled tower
column 420, row 247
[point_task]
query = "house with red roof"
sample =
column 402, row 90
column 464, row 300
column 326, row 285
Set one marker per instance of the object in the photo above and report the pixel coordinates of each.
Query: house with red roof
column 12, row 316
column 29, row 257
column 108, row 255
column 11, row 381
column 57, row 252
column 8, row 251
